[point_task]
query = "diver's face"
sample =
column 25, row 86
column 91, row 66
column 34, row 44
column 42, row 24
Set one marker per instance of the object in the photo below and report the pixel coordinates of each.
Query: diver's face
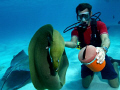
column 84, row 16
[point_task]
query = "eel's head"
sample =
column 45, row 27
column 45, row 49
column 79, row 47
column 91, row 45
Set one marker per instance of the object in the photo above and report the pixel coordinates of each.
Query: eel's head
column 56, row 62
column 56, row 50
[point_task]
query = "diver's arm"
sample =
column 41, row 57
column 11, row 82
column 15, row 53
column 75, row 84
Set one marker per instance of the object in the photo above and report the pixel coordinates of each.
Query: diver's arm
column 101, row 51
column 105, row 40
column 72, row 43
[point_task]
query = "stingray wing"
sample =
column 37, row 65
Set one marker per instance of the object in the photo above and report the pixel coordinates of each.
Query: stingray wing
column 17, row 74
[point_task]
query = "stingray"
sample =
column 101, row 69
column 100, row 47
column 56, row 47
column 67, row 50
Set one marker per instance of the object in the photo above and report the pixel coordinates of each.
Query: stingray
column 48, row 60
column 18, row 74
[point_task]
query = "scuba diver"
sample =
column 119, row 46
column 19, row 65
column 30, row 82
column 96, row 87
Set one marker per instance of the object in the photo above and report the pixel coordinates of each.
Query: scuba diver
column 90, row 31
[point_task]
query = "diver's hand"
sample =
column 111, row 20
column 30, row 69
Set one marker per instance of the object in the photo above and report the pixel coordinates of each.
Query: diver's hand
column 100, row 55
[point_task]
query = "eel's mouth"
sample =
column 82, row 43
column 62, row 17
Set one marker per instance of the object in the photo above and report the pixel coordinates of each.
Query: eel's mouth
column 53, row 71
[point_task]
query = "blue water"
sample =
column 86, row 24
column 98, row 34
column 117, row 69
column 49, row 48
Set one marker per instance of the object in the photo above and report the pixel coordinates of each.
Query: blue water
column 22, row 18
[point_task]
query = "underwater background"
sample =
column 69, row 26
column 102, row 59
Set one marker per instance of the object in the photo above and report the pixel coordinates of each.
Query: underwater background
column 20, row 19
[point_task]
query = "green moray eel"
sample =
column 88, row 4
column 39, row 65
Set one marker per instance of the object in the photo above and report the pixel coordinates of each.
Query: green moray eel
column 56, row 49
column 47, row 68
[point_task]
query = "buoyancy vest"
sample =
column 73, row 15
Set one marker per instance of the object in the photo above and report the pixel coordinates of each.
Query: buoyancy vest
column 95, row 37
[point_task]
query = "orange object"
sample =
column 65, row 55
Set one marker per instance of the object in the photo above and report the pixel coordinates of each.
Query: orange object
column 87, row 56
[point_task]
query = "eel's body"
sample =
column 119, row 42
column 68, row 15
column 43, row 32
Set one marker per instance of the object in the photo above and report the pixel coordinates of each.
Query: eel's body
column 40, row 61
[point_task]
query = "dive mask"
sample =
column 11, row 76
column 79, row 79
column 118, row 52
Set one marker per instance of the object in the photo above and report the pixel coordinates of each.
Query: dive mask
column 83, row 16
column 81, row 24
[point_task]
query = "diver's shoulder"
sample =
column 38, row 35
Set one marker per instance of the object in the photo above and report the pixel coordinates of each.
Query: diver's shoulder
column 100, row 23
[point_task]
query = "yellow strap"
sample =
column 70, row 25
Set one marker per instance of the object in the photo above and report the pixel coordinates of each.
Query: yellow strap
column 78, row 46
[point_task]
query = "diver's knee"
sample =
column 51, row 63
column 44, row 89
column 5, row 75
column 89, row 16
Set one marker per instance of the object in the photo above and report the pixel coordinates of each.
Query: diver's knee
column 86, row 81
column 114, row 83
column 85, row 86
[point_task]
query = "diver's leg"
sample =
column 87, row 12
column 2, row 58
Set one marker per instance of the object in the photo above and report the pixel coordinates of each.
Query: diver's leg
column 87, row 80
column 111, row 72
column 87, row 76
column 115, row 82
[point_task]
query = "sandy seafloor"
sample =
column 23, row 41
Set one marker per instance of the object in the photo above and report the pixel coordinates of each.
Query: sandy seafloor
column 10, row 47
